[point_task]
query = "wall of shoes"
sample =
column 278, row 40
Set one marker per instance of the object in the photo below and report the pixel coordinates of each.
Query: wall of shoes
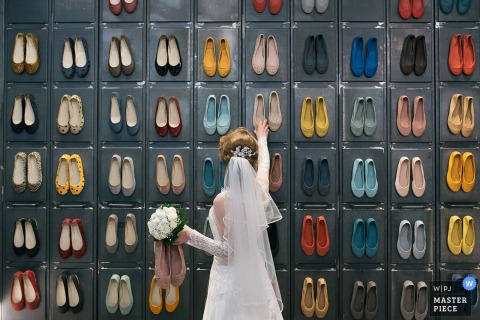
column 111, row 108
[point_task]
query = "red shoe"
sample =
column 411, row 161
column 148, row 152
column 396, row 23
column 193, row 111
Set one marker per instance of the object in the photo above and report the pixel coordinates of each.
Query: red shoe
column 130, row 5
column 468, row 55
column 308, row 242
column 115, row 6
column 275, row 6
column 161, row 118
column 16, row 295
column 79, row 246
column 323, row 241
column 455, row 56
column 405, row 8
column 177, row 265
column 65, row 240
column 259, row 5
column 174, row 117
column 30, row 290
column 418, row 7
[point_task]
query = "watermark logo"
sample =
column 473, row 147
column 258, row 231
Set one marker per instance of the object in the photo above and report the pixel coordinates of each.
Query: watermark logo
column 469, row 283
column 452, row 298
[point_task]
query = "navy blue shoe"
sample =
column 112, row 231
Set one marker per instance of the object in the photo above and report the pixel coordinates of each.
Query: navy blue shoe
column 82, row 60
column 116, row 122
column 356, row 60
column 358, row 238
column 371, row 242
column 323, row 177
column 31, row 114
column 463, row 6
column 308, row 176
column 208, row 178
column 446, row 6
column 68, row 58
column 371, row 60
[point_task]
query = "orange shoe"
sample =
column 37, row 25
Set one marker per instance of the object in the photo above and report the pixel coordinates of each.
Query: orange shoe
column 172, row 298
column 308, row 242
column 455, row 57
column 224, row 63
column 155, row 296
column 209, row 57
column 468, row 178
column 323, row 240
column 454, row 173
column 468, row 55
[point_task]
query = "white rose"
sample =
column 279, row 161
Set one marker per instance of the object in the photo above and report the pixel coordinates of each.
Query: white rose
column 173, row 224
column 170, row 211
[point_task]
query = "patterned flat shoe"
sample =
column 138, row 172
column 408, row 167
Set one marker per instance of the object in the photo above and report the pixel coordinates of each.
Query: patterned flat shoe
column 34, row 171
column 19, row 179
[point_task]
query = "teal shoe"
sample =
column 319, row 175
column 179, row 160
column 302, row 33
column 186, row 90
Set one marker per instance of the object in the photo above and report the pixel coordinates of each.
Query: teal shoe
column 463, row 6
column 358, row 178
column 371, row 183
column 358, row 238
column 125, row 295
column 210, row 117
column 221, row 175
column 371, row 242
column 208, row 179
column 223, row 120
column 446, row 6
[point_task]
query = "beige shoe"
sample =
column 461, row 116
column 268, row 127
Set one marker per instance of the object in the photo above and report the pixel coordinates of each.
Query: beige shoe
column 111, row 236
column 128, row 177
column 131, row 236
column 321, row 303
column 76, row 119
column 455, row 114
column 419, row 122
column 34, row 173
column 258, row 110
column 402, row 180
column 114, row 57
column 258, row 59
column 273, row 62
column 178, row 175
column 468, row 119
column 19, row 178
column 274, row 112
column 126, row 55
column 404, row 123
column 308, row 299
column 63, row 116
column 163, row 180
column 418, row 177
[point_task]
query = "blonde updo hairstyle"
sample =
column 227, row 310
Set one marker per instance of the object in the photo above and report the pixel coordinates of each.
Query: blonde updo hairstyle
column 240, row 137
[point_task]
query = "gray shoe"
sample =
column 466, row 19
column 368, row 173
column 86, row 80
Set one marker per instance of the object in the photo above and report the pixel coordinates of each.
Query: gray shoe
column 357, row 303
column 420, row 242
column 407, row 302
column 308, row 5
column 321, row 5
column 131, row 237
column 321, row 54
column 370, row 117
column 404, row 241
column 421, row 305
column 371, row 305
column 358, row 117
column 128, row 177
column 115, row 175
column 111, row 235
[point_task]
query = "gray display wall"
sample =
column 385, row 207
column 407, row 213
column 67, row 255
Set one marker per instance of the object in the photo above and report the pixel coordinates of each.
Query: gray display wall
column 192, row 22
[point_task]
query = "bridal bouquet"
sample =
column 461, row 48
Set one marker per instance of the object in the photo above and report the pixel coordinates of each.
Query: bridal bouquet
column 166, row 222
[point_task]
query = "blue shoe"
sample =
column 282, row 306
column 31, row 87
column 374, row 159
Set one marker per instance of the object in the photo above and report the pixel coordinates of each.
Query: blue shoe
column 458, row 290
column 221, row 175
column 371, row 242
column 371, row 183
column 446, row 6
column 116, row 122
column 131, row 116
column 210, row 117
column 356, row 60
column 463, row 6
column 358, row 178
column 308, row 177
column 208, row 179
column 358, row 238
column 472, row 299
column 323, row 177
column 223, row 119
column 371, row 60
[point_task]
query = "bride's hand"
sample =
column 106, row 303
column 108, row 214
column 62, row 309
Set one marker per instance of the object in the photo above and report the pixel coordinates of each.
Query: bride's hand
column 262, row 130
column 183, row 236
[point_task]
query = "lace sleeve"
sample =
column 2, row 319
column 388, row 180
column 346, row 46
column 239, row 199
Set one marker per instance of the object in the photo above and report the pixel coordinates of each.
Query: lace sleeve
column 214, row 247
column 263, row 164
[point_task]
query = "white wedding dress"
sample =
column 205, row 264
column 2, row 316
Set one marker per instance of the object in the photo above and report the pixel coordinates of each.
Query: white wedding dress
column 259, row 270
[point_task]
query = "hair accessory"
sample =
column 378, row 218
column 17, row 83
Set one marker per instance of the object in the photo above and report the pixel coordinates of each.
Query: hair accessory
column 242, row 152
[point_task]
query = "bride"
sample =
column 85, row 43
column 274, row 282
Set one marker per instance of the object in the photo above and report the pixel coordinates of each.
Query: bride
column 243, row 284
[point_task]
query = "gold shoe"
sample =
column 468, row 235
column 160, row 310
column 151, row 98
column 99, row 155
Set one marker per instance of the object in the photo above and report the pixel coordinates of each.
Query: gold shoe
column 321, row 303
column 18, row 56
column 308, row 299
column 468, row 240
column 468, row 177
column 455, row 236
column 209, row 57
column 62, row 182
column 76, row 177
column 224, row 63
column 306, row 118
column 172, row 298
column 321, row 118
column 32, row 56
column 155, row 296
column 454, row 173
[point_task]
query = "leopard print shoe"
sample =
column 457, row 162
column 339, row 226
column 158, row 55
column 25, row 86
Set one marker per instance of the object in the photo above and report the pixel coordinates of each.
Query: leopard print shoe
column 32, row 56
column 34, row 171
column 19, row 177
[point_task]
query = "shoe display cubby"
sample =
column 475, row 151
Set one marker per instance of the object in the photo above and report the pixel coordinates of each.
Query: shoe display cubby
column 426, row 15
column 365, row 11
column 85, row 11
column 325, row 14
column 273, row 11
column 470, row 13
column 164, row 11
column 26, row 11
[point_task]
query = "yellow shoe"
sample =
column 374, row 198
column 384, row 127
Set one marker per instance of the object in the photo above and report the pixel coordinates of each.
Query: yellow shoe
column 468, row 179
column 155, row 296
column 172, row 298
column 306, row 119
column 62, row 182
column 209, row 62
column 321, row 118
column 454, row 238
column 454, row 173
column 468, row 242
column 77, row 179
column 224, row 64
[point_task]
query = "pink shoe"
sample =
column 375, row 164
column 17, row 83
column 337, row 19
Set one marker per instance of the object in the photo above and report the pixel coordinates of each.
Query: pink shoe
column 177, row 265
column 162, row 271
